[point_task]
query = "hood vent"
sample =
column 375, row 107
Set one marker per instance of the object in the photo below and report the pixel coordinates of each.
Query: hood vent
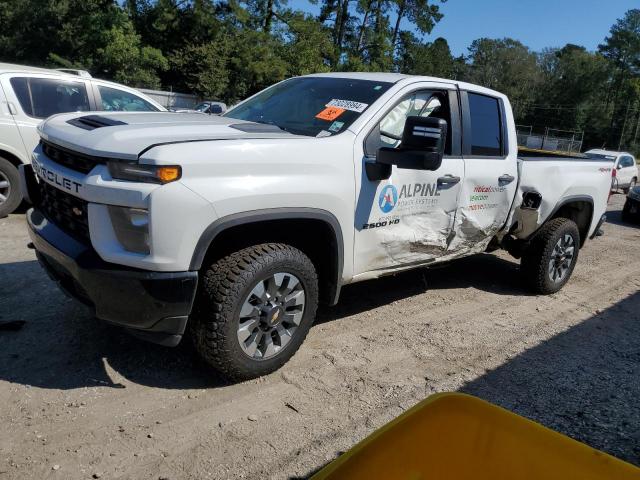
column 91, row 122
column 256, row 127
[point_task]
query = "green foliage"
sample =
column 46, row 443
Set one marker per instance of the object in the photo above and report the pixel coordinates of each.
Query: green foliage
column 505, row 65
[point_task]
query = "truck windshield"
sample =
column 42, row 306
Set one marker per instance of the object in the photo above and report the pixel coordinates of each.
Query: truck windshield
column 312, row 106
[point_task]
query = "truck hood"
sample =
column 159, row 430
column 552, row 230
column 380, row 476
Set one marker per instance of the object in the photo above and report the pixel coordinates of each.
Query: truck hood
column 125, row 135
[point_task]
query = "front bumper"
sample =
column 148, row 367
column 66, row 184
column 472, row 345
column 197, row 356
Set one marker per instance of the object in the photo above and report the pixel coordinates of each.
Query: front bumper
column 154, row 305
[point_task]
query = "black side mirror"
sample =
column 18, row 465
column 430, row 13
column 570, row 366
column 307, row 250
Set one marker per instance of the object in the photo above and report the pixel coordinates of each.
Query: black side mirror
column 422, row 147
column 215, row 109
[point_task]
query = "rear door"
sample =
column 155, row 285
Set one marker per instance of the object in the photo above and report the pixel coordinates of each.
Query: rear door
column 10, row 139
column 407, row 219
column 491, row 171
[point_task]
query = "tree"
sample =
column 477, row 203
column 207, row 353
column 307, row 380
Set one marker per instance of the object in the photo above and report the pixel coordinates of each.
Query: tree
column 96, row 35
column 309, row 45
column 571, row 94
column 622, row 48
column 422, row 14
column 505, row 65
column 433, row 59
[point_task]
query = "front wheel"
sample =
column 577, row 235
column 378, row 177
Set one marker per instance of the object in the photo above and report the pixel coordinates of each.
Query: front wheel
column 548, row 262
column 254, row 309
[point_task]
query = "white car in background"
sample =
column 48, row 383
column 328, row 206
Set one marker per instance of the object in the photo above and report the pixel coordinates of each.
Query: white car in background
column 624, row 175
column 29, row 94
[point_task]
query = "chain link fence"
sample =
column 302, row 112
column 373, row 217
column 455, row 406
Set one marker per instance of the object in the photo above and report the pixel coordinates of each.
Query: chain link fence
column 552, row 139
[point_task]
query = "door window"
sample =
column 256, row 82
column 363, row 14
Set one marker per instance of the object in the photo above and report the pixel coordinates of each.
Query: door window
column 42, row 97
column 486, row 126
column 116, row 100
column 626, row 162
column 421, row 104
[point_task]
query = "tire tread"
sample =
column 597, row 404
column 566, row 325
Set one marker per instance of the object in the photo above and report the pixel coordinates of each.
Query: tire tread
column 222, row 286
column 533, row 265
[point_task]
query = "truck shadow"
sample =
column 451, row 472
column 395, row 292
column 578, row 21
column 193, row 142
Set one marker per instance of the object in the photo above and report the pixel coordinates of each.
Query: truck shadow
column 484, row 272
column 61, row 345
column 584, row 382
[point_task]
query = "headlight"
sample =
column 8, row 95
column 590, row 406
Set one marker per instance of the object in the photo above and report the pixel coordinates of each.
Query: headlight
column 135, row 172
column 131, row 226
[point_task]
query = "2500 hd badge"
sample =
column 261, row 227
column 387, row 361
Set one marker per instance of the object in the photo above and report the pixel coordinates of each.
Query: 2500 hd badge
column 55, row 178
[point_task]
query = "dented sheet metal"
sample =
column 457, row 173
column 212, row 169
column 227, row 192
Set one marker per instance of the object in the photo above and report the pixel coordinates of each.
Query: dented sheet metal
column 418, row 237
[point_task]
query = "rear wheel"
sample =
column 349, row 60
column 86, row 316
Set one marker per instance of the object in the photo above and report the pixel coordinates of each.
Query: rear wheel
column 254, row 310
column 10, row 196
column 548, row 262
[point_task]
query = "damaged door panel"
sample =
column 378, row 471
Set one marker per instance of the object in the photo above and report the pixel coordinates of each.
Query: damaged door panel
column 408, row 218
column 491, row 174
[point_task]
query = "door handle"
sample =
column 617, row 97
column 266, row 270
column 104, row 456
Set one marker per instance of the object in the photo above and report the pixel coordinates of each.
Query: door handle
column 448, row 180
column 12, row 109
column 505, row 179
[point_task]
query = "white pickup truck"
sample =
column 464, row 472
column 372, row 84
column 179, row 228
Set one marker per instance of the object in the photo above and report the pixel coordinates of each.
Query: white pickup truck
column 232, row 229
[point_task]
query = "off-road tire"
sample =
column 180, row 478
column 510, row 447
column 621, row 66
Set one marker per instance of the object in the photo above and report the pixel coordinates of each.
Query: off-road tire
column 10, row 172
column 224, row 286
column 534, row 265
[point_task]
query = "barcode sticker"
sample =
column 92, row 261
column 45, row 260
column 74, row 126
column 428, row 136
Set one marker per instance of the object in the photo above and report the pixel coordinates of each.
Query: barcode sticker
column 348, row 105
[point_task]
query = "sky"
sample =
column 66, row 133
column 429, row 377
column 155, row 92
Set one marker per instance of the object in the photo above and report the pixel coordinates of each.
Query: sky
column 536, row 23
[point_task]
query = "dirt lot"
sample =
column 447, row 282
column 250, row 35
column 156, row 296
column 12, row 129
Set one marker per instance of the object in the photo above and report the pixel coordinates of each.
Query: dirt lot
column 80, row 399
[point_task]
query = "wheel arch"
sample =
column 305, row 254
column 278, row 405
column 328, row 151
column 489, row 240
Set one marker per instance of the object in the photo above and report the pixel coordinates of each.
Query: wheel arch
column 12, row 158
column 316, row 232
column 578, row 208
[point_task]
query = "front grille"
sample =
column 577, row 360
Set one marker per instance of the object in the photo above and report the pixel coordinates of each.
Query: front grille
column 73, row 160
column 67, row 212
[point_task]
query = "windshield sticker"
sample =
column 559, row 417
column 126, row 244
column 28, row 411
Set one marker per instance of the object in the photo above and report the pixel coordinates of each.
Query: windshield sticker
column 348, row 105
column 330, row 113
column 323, row 133
column 336, row 126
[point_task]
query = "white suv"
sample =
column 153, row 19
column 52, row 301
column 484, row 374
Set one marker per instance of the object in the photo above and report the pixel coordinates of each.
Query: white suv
column 28, row 95
column 624, row 174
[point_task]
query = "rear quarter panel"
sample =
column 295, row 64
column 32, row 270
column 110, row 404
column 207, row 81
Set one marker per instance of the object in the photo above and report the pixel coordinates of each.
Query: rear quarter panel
column 560, row 180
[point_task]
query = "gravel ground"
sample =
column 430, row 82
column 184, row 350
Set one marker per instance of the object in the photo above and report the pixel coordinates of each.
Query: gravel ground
column 80, row 399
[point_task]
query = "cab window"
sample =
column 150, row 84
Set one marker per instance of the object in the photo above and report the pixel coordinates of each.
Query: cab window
column 388, row 133
column 43, row 97
column 626, row 161
column 486, row 126
column 116, row 100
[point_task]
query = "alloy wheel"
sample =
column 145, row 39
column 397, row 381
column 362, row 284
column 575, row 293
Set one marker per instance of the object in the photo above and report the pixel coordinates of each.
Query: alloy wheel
column 561, row 258
column 270, row 315
column 5, row 188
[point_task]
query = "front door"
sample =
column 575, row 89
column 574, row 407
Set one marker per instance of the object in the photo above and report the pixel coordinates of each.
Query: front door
column 407, row 219
column 491, row 174
column 35, row 97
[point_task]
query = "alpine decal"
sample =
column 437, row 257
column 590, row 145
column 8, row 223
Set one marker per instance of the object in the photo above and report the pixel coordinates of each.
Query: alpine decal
column 388, row 198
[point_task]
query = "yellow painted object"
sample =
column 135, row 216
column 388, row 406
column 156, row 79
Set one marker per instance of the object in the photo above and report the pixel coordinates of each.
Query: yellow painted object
column 452, row 436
